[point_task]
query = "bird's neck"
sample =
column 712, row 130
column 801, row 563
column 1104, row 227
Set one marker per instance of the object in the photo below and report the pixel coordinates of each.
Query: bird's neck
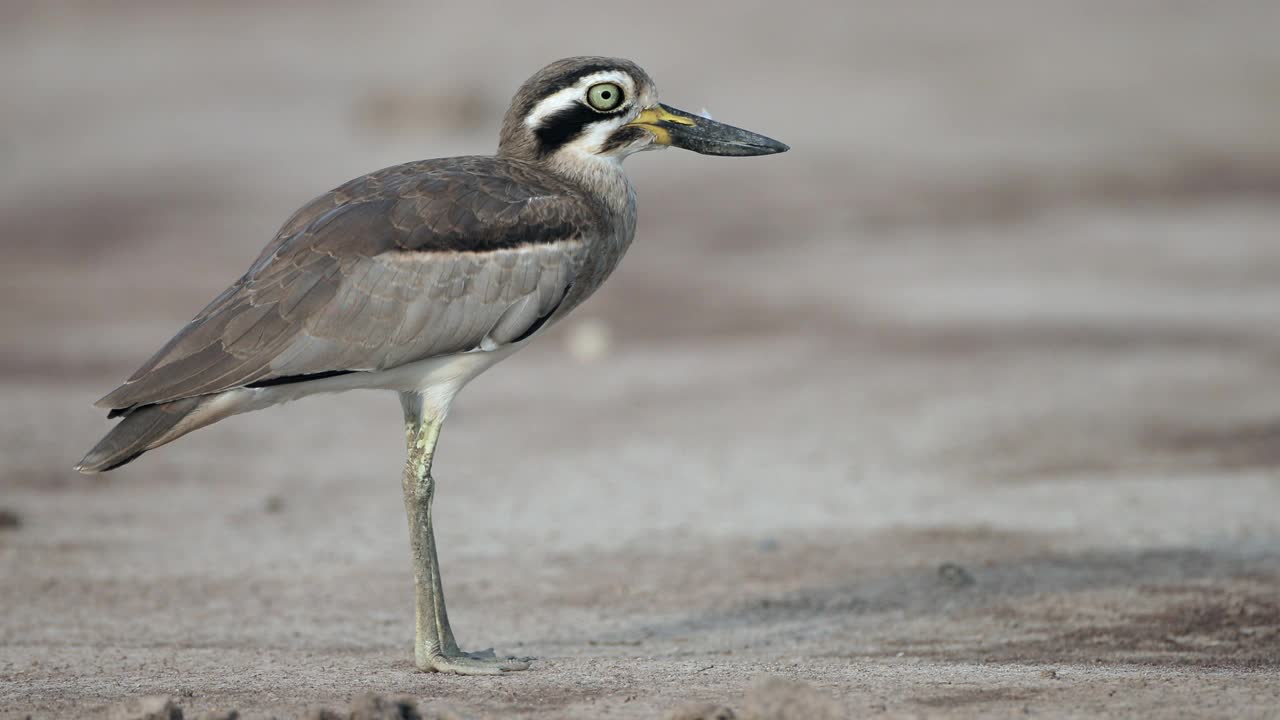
column 602, row 177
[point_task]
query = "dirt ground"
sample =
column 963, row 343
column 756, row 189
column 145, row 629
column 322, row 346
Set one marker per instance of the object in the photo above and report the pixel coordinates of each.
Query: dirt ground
column 969, row 406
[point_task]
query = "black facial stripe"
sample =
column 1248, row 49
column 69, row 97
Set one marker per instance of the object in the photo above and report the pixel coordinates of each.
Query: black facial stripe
column 564, row 126
column 624, row 136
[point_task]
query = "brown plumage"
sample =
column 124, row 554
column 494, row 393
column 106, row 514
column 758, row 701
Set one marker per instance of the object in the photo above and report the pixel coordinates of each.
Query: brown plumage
column 381, row 272
column 419, row 277
column 417, row 261
column 406, row 263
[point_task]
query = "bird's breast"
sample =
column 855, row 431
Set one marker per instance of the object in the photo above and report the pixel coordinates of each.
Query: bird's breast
column 604, row 251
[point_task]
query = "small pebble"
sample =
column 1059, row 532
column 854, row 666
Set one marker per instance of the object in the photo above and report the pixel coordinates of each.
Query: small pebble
column 10, row 519
column 704, row 712
column 955, row 576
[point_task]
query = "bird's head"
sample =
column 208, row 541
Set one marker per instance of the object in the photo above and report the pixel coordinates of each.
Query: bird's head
column 598, row 109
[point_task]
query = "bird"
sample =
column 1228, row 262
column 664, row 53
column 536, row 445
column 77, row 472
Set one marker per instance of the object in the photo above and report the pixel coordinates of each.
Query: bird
column 417, row 278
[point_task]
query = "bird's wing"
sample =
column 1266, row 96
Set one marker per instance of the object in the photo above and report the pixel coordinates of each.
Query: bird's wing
column 382, row 272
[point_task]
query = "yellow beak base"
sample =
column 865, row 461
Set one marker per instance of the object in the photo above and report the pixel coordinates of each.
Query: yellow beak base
column 678, row 128
column 651, row 119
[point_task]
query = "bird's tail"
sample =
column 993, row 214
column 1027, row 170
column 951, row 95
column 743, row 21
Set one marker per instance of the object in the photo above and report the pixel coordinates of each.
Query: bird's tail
column 149, row 427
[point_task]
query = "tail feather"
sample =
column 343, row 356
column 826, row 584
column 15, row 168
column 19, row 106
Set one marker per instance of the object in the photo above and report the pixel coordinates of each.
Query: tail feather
column 149, row 427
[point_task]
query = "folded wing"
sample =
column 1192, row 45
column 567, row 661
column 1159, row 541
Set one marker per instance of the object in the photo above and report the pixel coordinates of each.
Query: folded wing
column 409, row 263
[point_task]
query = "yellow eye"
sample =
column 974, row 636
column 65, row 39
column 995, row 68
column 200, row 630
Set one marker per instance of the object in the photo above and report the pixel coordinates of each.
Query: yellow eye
column 604, row 96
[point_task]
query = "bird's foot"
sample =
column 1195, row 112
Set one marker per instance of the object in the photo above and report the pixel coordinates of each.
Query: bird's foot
column 485, row 662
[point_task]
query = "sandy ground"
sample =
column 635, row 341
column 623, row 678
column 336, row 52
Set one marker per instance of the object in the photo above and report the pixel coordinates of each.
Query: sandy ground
column 967, row 407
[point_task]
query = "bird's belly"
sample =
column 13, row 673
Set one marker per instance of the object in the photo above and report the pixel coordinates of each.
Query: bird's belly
column 456, row 369
column 438, row 377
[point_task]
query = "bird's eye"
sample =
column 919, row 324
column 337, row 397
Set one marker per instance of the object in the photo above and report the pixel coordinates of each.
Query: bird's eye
column 604, row 96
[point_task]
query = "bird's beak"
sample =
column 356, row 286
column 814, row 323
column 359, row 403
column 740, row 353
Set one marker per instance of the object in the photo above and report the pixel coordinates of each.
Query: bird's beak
column 678, row 128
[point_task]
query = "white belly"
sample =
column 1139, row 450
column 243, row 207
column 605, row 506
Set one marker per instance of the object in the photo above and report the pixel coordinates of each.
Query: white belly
column 438, row 379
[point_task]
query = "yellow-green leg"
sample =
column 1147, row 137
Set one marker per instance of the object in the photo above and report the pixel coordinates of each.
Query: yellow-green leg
column 435, row 650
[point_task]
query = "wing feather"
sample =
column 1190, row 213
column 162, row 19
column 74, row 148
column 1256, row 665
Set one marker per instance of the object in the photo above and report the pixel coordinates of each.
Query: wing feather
column 401, row 265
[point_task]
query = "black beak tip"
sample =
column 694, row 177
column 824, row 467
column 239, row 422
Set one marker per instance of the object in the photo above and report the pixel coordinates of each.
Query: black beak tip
column 776, row 147
column 761, row 145
column 706, row 136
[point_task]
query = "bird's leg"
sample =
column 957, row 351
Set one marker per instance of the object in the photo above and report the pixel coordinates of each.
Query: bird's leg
column 434, row 647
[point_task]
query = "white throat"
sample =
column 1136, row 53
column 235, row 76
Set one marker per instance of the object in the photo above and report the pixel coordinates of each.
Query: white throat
column 600, row 175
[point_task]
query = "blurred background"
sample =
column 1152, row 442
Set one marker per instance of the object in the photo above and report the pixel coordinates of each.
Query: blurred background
column 1009, row 306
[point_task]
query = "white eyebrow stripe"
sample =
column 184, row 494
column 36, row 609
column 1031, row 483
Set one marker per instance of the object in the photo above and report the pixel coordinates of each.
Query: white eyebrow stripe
column 562, row 99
